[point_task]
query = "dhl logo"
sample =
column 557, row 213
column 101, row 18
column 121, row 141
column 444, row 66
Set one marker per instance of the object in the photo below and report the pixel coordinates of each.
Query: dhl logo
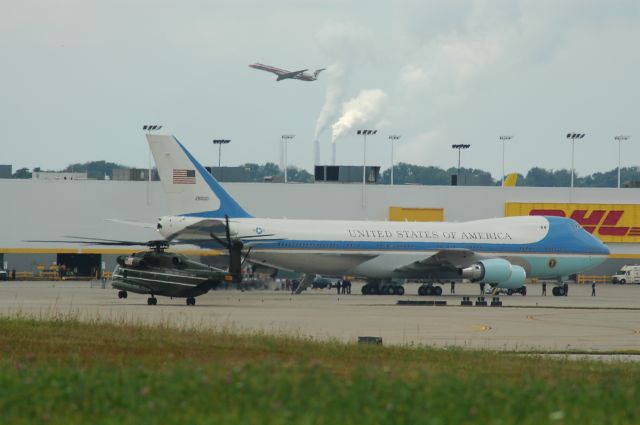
column 611, row 223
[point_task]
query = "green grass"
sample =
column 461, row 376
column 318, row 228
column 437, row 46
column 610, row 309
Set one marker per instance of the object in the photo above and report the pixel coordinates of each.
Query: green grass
column 64, row 371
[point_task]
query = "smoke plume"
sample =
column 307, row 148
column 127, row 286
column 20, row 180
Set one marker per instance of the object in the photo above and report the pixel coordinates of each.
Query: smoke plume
column 336, row 83
column 366, row 108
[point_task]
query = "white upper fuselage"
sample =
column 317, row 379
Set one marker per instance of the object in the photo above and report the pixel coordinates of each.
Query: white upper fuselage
column 382, row 249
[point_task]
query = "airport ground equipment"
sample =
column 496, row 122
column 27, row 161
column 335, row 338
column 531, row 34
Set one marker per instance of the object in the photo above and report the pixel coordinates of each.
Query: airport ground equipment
column 627, row 274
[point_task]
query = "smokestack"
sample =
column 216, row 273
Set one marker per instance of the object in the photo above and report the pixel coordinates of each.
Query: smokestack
column 333, row 153
column 316, row 152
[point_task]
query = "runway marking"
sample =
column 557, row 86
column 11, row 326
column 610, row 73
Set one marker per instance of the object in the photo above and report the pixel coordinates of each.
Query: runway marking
column 483, row 328
column 566, row 320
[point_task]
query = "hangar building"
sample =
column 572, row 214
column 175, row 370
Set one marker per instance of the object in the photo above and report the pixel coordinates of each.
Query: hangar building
column 37, row 210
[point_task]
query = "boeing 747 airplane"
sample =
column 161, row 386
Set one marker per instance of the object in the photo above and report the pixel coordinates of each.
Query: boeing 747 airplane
column 283, row 74
column 501, row 252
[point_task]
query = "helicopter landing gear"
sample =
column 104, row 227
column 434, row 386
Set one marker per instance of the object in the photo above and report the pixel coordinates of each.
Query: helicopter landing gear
column 152, row 300
column 191, row 301
column 122, row 294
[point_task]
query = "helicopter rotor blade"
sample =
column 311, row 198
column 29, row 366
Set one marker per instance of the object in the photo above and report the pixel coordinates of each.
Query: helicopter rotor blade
column 246, row 256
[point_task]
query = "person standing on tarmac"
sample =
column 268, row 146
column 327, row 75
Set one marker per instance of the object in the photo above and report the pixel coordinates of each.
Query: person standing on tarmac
column 338, row 286
column 481, row 288
column 544, row 288
column 593, row 289
column 453, row 287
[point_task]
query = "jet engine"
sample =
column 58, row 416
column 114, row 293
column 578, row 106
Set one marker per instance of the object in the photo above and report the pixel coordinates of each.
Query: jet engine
column 495, row 270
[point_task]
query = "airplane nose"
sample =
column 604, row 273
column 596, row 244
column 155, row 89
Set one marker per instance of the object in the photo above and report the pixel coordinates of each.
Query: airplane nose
column 604, row 249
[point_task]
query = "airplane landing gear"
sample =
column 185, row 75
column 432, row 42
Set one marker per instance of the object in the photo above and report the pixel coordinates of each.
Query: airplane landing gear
column 191, row 301
column 152, row 300
column 560, row 290
column 122, row 294
column 429, row 289
column 382, row 289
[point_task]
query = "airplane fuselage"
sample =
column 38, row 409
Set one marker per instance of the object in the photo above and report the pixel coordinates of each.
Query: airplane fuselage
column 545, row 247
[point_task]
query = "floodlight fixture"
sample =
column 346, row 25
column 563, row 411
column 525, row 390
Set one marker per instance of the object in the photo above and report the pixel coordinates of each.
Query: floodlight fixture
column 573, row 137
column 621, row 138
column 504, row 139
column 220, row 142
column 393, row 138
column 285, row 139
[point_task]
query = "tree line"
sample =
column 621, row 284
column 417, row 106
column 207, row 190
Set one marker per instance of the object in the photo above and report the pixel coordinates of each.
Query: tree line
column 403, row 173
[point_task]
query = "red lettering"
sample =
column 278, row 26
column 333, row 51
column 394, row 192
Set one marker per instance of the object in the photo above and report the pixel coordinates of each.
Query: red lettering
column 613, row 231
column 612, row 218
column 591, row 220
column 554, row 213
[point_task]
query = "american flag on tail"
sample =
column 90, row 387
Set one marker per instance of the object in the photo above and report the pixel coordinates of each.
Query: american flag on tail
column 181, row 176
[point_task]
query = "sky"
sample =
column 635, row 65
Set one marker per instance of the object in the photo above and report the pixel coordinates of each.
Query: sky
column 79, row 79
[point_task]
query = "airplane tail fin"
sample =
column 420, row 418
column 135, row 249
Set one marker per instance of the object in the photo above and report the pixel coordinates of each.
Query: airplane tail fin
column 511, row 180
column 318, row 71
column 191, row 190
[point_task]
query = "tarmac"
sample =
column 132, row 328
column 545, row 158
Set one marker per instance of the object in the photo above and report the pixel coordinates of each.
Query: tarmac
column 608, row 324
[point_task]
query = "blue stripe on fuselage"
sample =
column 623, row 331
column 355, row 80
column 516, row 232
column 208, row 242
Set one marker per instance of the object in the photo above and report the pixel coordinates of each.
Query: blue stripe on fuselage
column 564, row 237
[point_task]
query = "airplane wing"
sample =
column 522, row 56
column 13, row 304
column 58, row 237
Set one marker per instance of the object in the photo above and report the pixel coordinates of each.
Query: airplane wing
column 442, row 263
column 293, row 74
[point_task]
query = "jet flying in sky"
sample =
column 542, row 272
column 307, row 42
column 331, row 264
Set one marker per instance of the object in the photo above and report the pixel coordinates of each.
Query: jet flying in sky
column 283, row 74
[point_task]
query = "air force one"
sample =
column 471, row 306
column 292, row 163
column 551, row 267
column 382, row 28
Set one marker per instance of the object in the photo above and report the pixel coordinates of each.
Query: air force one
column 283, row 74
column 501, row 252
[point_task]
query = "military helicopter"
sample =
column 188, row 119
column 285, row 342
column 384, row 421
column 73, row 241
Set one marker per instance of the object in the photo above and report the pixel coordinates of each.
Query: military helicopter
column 156, row 272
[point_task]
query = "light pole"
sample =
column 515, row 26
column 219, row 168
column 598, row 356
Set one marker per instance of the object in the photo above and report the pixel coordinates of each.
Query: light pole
column 460, row 146
column 504, row 139
column 285, row 139
column 364, row 134
column 220, row 142
column 573, row 137
column 392, row 139
column 149, row 128
column 620, row 139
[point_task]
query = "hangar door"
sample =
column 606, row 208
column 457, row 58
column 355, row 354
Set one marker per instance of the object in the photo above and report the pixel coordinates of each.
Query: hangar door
column 87, row 265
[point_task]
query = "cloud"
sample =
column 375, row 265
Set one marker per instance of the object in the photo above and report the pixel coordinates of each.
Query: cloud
column 425, row 148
